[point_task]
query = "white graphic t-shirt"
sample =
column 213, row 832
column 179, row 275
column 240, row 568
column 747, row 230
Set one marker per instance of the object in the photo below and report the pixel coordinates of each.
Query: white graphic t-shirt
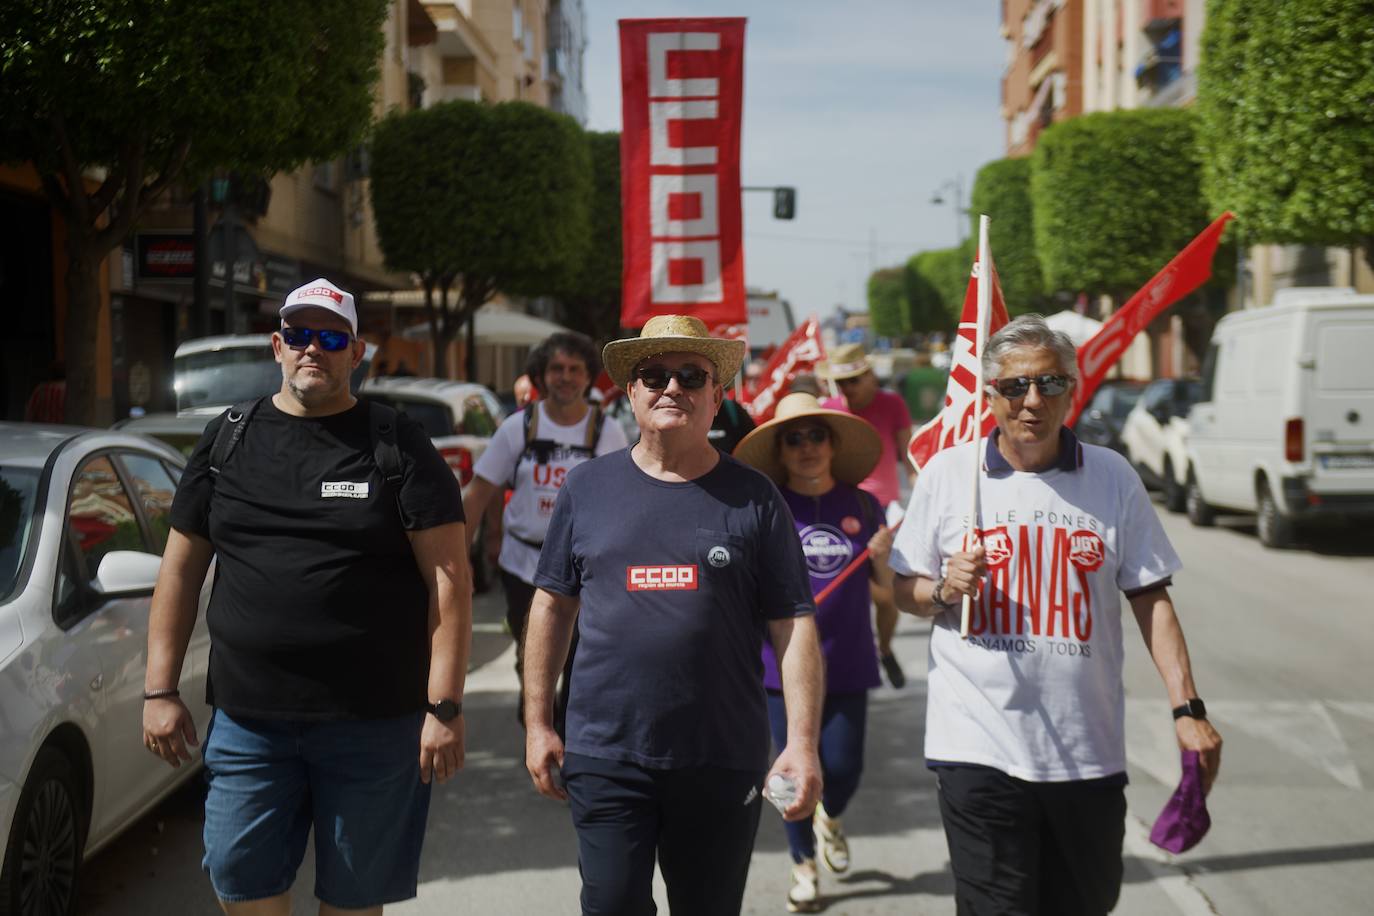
column 536, row 481
column 1035, row 691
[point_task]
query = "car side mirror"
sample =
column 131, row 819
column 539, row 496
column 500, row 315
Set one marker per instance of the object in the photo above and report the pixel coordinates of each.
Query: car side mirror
column 124, row 572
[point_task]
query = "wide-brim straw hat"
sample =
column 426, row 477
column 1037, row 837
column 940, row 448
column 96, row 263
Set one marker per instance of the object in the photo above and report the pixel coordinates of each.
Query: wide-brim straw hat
column 672, row 334
column 845, row 361
column 855, row 444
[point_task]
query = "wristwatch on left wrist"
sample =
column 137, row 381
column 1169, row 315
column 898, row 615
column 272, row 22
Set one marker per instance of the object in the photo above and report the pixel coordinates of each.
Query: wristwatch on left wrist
column 1193, row 709
column 445, row 710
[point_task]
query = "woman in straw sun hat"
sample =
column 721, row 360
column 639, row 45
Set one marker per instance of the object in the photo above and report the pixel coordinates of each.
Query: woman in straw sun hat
column 817, row 457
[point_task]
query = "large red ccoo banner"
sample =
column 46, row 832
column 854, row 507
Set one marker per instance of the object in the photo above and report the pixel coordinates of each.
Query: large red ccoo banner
column 682, row 96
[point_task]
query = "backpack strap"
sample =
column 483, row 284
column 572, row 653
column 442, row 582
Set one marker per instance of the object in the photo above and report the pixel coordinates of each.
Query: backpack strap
column 231, row 431
column 385, row 452
column 594, row 424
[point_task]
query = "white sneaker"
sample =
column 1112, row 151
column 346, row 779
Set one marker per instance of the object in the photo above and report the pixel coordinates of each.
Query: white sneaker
column 805, row 895
column 831, row 844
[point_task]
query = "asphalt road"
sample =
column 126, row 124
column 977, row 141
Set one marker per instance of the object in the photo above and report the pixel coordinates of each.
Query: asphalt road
column 1281, row 644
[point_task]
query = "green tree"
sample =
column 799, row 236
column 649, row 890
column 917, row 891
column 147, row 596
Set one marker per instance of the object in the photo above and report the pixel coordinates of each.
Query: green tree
column 1286, row 111
column 114, row 100
column 935, row 283
column 1115, row 196
column 479, row 198
column 591, row 300
column 1002, row 191
column 888, row 313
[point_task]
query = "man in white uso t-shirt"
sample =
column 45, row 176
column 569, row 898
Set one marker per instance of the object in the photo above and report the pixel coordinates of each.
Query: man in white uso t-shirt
column 1025, row 718
column 533, row 459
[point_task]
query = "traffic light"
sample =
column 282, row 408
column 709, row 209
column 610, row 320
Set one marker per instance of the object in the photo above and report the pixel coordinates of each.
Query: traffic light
column 784, row 203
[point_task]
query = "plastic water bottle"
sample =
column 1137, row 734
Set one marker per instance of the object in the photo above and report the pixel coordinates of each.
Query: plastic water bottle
column 781, row 791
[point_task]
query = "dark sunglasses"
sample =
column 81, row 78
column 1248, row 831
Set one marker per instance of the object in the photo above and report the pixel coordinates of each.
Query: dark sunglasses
column 1017, row 386
column 299, row 338
column 793, row 438
column 656, row 377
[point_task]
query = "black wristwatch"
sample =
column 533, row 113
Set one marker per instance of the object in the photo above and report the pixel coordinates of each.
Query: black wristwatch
column 939, row 602
column 1193, row 709
column 445, row 710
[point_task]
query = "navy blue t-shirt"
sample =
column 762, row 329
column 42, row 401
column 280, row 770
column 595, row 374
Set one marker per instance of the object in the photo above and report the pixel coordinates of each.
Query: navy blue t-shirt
column 677, row 582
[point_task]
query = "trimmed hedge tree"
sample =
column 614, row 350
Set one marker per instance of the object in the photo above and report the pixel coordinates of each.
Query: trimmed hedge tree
column 1286, row 110
column 487, row 197
column 888, row 313
column 155, row 92
column 591, row 299
column 1002, row 191
column 936, row 282
column 1115, row 195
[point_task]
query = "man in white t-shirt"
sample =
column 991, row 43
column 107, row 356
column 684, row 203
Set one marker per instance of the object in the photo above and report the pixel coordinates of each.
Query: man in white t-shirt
column 1025, row 718
column 532, row 453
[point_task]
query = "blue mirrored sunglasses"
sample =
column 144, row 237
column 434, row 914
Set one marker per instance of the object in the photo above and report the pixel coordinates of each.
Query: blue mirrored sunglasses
column 299, row 338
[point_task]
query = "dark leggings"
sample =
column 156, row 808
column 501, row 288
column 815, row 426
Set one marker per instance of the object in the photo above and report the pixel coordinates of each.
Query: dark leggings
column 519, row 594
column 844, row 719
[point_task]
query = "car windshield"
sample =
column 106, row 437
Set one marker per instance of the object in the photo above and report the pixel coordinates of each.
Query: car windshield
column 1117, row 400
column 1189, row 394
column 434, row 417
column 218, row 378
column 18, row 487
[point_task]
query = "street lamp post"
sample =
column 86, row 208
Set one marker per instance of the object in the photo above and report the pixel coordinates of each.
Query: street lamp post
column 954, row 186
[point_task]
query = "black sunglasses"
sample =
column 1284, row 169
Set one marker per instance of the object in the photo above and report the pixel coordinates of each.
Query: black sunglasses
column 1017, row 386
column 793, row 438
column 656, row 377
column 299, row 338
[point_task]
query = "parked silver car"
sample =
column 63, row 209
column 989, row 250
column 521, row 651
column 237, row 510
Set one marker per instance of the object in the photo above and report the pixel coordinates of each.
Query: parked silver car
column 460, row 418
column 83, row 522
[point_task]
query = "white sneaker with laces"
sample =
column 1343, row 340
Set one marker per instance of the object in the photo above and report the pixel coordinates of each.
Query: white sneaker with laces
column 805, row 895
column 831, row 845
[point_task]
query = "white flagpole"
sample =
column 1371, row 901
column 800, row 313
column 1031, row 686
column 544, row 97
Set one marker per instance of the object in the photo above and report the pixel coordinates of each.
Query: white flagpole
column 981, row 339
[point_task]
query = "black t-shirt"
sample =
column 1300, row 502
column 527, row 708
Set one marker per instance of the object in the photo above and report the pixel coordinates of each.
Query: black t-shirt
column 677, row 582
column 319, row 610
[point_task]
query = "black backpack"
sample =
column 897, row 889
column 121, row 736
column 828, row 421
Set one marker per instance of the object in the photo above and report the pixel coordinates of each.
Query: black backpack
column 542, row 449
column 382, row 421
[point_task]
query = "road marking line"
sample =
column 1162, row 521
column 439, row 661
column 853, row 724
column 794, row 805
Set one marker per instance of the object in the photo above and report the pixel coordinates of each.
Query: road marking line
column 1169, row 877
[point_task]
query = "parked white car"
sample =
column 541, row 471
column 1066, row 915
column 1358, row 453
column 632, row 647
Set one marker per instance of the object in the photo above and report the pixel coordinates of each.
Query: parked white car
column 83, row 521
column 1284, row 427
column 1153, row 435
column 460, row 418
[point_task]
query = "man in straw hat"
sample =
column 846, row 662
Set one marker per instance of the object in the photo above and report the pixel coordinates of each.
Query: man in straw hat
column 817, row 457
column 673, row 561
column 1025, row 719
column 850, row 369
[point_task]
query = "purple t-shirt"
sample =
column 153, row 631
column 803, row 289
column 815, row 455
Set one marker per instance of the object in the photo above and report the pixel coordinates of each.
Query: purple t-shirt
column 834, row 529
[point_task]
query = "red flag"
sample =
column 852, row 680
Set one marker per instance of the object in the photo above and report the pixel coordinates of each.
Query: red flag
column 1189, row 269
column 799, row 353
column 954, row 424
column 682, row 88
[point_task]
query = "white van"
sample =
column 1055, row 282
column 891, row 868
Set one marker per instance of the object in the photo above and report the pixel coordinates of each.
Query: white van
column 1284, row 427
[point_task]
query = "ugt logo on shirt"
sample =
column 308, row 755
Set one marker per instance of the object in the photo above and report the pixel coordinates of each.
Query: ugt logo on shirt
column 661, row 578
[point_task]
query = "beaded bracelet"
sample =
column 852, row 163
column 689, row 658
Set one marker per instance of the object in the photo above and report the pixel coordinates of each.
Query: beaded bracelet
column 160, row 694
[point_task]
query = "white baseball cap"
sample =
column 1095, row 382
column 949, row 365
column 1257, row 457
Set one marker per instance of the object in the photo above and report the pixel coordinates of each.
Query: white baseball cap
column 324, row 295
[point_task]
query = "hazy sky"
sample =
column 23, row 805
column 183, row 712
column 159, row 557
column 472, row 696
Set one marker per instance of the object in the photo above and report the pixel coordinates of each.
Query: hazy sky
column 866, row 107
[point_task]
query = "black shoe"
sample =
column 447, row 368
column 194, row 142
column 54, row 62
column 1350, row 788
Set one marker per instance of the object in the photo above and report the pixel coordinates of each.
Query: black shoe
column 893, row 669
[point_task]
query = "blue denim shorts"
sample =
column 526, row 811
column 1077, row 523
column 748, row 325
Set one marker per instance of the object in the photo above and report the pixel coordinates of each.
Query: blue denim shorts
column 356, row 782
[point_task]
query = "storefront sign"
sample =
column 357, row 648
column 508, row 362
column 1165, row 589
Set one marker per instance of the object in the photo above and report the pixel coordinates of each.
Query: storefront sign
column 164, row 256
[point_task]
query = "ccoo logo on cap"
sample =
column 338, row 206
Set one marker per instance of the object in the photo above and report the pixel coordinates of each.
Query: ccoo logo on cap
column 322, row 294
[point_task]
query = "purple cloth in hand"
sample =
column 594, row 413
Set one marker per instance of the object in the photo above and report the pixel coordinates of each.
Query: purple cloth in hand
column 1184, row 821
